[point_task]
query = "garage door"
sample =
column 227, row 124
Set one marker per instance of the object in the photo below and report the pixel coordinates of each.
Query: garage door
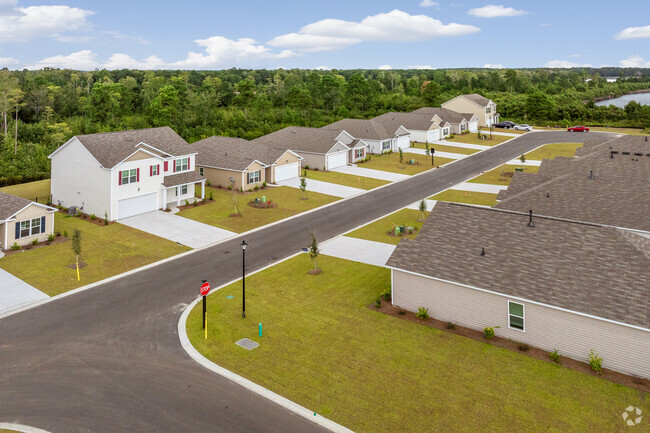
column 338, row 159
column 136, row 205
column 403, row 142
column 433, row 135
column 288, row 171
column 473, row 126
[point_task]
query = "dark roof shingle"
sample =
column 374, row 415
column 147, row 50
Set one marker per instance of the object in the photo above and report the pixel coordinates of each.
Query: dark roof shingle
column 10, row 204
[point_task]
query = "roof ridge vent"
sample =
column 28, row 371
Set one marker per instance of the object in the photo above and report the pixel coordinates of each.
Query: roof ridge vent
column 482, row 251
column 591, row 174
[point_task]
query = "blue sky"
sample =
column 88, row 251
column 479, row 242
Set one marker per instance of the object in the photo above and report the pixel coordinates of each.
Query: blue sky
column 325, row 34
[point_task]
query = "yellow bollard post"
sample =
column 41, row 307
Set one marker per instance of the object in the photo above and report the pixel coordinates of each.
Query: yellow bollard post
column 206, row 327
column 78, row 278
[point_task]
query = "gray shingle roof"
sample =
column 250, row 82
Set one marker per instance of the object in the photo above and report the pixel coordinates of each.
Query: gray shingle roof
column 110, row 148
column 618, row 194
column 182, row 178
column 479, row 99
column 411, row 121
column 234, row 153
column 445, row 114
column 363, row 129
column 10, row 204
column 298, row 138
column 586, row 268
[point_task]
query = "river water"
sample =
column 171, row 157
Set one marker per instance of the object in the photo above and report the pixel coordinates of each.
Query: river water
column 641, row 98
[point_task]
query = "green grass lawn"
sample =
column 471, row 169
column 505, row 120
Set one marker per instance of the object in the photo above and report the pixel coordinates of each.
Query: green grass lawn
column 502, row 175
column 345, row 179
column 509, row 131
column 443, row 148
column 31, row 190
column 553, row 150
column 324, row 349
column 473, row 139
column 390, row 162
column 108, row 251
column 4, row 430
column 457, row 196
column 376, row 231
column 288, row 199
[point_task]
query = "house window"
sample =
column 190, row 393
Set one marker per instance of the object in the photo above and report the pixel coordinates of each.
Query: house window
column 30, row 227
column 463, row 127
column 358, row 153
column 488, row 110
column 385, row 145
column 154, row 170
column 254, row 177
column 182, row 164
column 515, row 315
column 129, row 176
column 183, row 189
column 445, row 131
column 201, row 171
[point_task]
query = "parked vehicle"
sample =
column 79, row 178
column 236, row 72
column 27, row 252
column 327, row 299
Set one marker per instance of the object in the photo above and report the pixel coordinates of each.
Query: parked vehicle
column 505, row 124
column 523, row 127
column 578, row 129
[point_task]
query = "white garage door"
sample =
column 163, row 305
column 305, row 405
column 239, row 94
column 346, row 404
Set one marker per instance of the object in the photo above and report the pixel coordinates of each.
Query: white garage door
column 473, row 126
column 136, row 205
column 433, row 135
column 403, row 142
column 288, row 171
column 338, row 159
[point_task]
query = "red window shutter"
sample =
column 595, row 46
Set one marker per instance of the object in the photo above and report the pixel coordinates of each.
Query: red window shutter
column 137, row 175
column 157, row 168
column 166, row 165
column 174, row 166
column 119, row 178
column 189, row 164
column 151, row 170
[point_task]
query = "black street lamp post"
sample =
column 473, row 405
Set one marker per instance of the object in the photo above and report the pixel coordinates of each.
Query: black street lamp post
column 432, row 152
column 243, row 278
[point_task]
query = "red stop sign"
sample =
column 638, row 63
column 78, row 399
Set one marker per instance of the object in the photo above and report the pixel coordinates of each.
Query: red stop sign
column 205, row 288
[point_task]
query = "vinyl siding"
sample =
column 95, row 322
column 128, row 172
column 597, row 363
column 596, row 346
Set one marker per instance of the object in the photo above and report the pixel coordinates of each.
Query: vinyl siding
column 313, row 160
column 622, row 348
column 28, row 213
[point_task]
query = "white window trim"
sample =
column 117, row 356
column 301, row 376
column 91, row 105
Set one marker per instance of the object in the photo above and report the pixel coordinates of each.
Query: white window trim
column 127, row 180
column 201, row 171
column 154, row 170
column 257, row 174
column 358, row 153
column 180, row 163
column 523, row 317
column 31, row 227
column 183, row 189
column 385, row 143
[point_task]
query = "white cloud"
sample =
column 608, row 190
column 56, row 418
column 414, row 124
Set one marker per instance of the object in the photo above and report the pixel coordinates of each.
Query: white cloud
column 84, row 60
column 494, row 11
column 392, row 26
column 575, row 56
column 635, row 62
column 220, row 51
column 420, row 67
column 7, row 61
column 493, row 66
column 21, row 24
column 566, row 64
column 122, row 36
column 322, row 68
column 385, row 67
column 428, row 3
column 124, row 61
column 634, row 33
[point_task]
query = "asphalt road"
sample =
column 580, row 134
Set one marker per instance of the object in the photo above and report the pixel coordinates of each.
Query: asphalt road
column 109, row 360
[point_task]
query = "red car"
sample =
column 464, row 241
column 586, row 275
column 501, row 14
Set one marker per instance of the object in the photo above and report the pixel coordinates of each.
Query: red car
column 578, row 129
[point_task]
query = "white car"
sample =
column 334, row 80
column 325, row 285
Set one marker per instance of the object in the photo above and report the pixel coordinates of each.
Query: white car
column 523, row 127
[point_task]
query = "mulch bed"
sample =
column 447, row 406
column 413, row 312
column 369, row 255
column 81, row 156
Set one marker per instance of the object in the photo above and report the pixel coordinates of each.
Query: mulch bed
column 198, row 203
column 56, row 240
column 234, row 215
column 263, row 205
column 534, row 352
column 314, row 271
column 84, row 216
column 401, row 235
column 74, row 265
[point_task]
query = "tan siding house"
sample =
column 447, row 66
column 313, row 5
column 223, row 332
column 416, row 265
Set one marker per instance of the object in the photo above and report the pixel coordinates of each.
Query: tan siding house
column 484, row 108
column 22, row 221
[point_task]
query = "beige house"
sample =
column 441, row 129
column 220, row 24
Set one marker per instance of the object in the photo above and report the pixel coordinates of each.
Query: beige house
column 555, row 284
column 377, row 136
column 243, row 164
column 484, row 108
column 449, row 121
column 22, row 221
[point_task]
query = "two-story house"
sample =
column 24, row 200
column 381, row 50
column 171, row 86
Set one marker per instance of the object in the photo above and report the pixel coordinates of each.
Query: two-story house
column 124, row 173
column 484, row 108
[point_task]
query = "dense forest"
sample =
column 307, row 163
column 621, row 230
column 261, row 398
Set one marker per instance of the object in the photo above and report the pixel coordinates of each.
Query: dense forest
column 40, row 110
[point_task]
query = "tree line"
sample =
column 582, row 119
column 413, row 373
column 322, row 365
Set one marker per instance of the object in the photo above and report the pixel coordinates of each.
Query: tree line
column 40, row 110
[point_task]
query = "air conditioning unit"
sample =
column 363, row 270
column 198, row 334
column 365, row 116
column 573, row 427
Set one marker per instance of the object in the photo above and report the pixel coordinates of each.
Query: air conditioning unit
column 72, row 210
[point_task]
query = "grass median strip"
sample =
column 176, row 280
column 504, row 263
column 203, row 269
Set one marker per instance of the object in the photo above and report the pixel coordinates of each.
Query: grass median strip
column 469, row 197
column 288, row 200
column 107, row 251
column 502, row 175
column 377, row 230
column 444, row 148
column 345, row 179
column 326, row 350
column 553, row 150
column 390, row 162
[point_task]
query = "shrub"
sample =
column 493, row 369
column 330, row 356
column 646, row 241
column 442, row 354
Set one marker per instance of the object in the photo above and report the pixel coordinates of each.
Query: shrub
column 51, row 237
column 264, row 184
column 65, row 233
column 378, row 302
column 257, row 188
column 423, row 313
column 386, row 293
column 195, row 203
column 105, row 218
column 488, row 333
column 229, row 187
column 187, row 202
column 15, row 246
column 78, row 213
column 307, row 167
column 208, row 183
column 34, row 242
column 451, row 325
column 595, row 362
column 92, row 216
column 211, row 198
column 523, row 347
column 554, row 355
column 324, row 169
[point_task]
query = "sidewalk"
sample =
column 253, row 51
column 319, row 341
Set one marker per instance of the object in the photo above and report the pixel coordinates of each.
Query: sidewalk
column 358, row 250
column 479, row 187
column 369, row 172
column 436, row 154
column 321, row 187
column 465, row 145
column 15, row 293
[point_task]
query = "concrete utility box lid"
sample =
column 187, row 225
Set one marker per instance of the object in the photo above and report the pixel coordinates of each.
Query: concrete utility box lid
column 247, row 343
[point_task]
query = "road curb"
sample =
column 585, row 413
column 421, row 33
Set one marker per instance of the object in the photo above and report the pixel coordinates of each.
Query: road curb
column 239, row 380
column 21, row 428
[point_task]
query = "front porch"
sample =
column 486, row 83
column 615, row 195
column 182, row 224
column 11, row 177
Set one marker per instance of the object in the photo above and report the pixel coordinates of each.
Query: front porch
column 178, row 188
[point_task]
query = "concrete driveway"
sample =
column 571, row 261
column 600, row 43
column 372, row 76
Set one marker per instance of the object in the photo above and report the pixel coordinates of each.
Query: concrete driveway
column 178, row 229
column 15, row 293
column 479, row 187
column 449, row 155
column 324, row 187
column 369, row 172
column 358, row 250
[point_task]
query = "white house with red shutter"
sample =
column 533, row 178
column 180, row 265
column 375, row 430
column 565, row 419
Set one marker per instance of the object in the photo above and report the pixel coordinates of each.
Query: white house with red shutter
column 125, row 173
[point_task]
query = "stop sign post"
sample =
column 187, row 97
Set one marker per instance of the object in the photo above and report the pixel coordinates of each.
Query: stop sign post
column 205, row 289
